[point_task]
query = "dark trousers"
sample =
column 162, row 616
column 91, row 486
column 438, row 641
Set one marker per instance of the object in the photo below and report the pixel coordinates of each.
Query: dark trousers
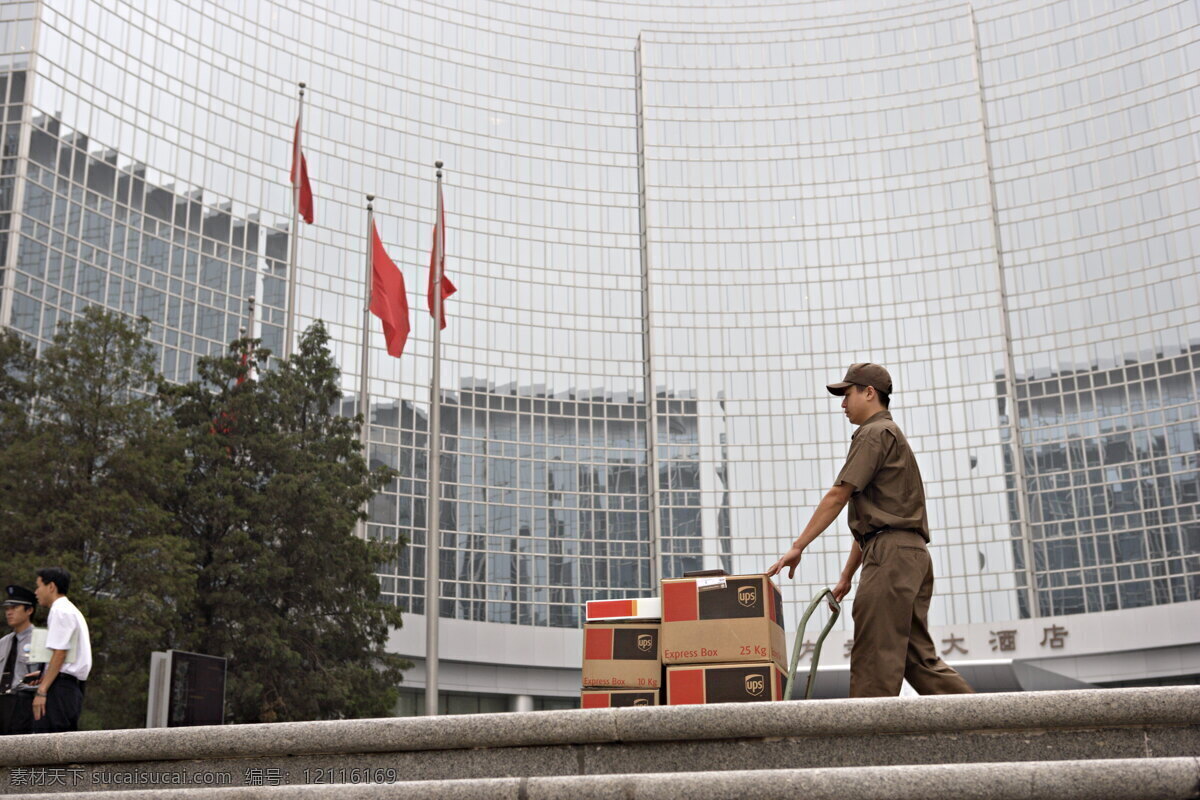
column 64, row 702
column 16, row 713
column 891, row 639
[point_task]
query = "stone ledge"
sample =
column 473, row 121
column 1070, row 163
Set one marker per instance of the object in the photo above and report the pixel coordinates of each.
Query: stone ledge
column 1144, row 779
column 1033, row 711
column 623, row 758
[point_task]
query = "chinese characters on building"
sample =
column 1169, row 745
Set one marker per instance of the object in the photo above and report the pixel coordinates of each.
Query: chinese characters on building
column 1054, row 637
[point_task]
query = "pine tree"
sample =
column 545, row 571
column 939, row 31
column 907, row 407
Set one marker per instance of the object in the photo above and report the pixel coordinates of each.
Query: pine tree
column 89, row 471
column 285, row 589
column 16, row 385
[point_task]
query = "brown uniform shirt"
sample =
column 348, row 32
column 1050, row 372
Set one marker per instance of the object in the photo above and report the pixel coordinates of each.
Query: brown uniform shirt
column 888, row 492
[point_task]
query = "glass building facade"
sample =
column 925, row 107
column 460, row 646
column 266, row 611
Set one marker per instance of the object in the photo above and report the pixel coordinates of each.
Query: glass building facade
column 671, row 225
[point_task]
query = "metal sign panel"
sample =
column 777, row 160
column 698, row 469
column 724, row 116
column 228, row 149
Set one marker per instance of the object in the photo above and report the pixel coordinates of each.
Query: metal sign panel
column 197, row 690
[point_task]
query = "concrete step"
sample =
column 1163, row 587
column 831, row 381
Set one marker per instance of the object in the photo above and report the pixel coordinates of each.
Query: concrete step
column 960, row 729
column 1120, row 779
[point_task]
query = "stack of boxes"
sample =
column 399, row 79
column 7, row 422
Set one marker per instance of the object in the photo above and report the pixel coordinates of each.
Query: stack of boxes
column 622, row 656
column 722, row 639
column 709, row 639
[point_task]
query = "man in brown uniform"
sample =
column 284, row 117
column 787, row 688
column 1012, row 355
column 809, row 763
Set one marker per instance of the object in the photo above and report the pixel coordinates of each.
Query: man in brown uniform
column 882, row 484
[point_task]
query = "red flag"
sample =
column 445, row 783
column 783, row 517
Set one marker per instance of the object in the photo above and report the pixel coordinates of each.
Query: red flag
column 439, row 231
column 300, row 177
column 249, row 367
column 389, row 299
column 245, row 373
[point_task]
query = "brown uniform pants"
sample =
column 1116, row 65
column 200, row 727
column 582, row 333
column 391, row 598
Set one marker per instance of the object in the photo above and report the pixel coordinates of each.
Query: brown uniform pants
column 891, row 639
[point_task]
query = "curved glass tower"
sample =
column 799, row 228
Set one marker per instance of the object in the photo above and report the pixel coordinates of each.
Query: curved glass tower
column 670, row 226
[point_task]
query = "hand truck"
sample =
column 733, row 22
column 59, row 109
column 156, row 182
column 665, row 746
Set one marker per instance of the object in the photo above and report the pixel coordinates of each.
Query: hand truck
column 836, row 608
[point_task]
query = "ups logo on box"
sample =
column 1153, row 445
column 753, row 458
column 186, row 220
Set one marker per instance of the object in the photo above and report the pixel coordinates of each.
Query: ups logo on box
column 741, row 598
column 730, row 684
column 628, row 699
column 639, row 644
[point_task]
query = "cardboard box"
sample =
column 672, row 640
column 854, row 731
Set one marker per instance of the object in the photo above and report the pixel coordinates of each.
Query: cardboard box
column 619, row 698
column 722, row 620
column 724, row 683
column 622, row 656
column 628, row 608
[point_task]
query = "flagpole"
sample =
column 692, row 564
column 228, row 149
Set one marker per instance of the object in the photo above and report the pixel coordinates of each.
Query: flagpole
column 290, row 316
column 247, row 332
column 364, row 398
column 433, row 504
column 250, row 317
column 250, row 334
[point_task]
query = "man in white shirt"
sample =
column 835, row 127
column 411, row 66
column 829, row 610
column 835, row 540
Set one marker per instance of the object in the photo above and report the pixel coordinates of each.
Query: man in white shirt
column 59, row 697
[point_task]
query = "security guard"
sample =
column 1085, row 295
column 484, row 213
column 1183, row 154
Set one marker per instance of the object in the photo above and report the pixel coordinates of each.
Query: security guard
column 16, row 697
column 881, row 482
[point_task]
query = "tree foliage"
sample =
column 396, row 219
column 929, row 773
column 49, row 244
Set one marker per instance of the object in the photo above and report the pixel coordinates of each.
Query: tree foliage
column 89, row 476
column 16, row 385
column 285, row 589
column 216, row 517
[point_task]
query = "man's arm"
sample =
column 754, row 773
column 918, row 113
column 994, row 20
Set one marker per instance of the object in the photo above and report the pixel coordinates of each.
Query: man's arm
column 49, row 674
column 852, row 562
column 823, row 516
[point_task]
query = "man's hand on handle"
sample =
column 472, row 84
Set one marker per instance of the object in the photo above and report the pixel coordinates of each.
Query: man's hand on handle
column 842, row 588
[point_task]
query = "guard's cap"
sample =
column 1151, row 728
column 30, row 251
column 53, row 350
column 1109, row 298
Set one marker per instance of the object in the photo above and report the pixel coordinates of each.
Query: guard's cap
column 20, row 596
column 863, row 375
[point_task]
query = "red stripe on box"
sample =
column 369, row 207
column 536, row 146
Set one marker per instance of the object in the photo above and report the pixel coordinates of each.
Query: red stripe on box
column 595, row 700
column 685, row 687
column 680, row 602
column 770, row 599
column 600, row 609
column 778, row 685
column 598, row 644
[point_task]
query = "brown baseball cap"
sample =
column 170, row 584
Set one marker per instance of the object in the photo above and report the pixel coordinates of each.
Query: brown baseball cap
column 863, row 375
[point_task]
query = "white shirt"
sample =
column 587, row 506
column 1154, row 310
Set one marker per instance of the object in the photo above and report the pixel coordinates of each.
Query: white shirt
column 66, row 629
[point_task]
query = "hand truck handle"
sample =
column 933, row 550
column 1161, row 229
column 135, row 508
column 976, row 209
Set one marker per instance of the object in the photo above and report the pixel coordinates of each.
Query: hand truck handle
column 836, row 608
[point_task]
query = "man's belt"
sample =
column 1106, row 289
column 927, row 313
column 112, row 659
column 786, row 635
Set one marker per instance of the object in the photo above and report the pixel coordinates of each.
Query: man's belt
column 869, row 535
